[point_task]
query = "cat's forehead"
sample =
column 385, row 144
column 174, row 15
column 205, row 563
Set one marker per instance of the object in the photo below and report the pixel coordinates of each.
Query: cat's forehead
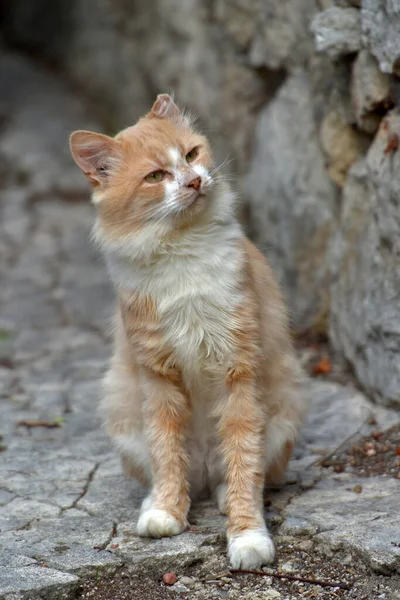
column 158, row 135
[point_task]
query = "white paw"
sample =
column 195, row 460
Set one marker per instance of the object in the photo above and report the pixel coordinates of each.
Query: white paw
column 220, row 493
column 251, row 549
column 157, row 523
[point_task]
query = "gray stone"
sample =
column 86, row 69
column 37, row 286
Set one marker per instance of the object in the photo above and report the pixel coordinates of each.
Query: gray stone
column 337, row 31
column 188, row 581
column 270, row 593
column 16, row 582
column 293, row 205
column 280, row 37
column 336, row 412
column 368, row 524
column 179, row 588
column 380, row 22
column 343, row 145
column 81, row 560
column 295, row 526
column 365, row 318
column 370, row 91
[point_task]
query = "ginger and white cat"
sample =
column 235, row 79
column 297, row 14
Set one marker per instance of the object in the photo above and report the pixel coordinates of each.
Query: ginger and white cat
column 204, row 391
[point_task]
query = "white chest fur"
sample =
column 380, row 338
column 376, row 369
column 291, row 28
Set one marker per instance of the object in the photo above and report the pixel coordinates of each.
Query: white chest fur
column 194, row 284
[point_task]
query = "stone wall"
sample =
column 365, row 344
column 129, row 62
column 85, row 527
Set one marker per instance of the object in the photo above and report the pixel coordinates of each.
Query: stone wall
column 302, row 97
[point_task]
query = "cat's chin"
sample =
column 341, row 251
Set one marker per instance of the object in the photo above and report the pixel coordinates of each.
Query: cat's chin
column 193, row 208
column 195, row 199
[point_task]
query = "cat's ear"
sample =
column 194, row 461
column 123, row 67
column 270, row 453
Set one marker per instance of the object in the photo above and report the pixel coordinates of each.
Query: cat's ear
column 165, row 108
column 96, row 154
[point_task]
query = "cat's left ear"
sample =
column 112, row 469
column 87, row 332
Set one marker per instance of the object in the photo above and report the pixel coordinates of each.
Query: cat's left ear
column 95, row 154
column 165, row 108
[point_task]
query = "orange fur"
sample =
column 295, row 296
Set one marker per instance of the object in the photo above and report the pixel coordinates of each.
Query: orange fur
column 276, row 472
column 204, row 387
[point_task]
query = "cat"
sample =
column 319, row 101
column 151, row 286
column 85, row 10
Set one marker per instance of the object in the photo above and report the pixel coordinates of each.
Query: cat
column 203, row 395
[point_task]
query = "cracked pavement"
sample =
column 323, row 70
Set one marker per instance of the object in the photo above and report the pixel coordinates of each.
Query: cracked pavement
column 66, row 511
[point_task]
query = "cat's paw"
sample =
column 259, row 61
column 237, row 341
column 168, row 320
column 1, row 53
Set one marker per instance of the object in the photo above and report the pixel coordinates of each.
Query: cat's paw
column 250, row 549
column 158, row 523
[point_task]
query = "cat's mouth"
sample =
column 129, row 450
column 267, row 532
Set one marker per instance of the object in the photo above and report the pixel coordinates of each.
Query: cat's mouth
column 194, row 198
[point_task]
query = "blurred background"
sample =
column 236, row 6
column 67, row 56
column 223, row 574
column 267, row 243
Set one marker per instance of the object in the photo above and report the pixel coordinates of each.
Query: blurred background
column 300, row 96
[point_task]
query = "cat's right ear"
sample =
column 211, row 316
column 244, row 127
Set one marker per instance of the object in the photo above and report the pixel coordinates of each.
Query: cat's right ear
column 165, row 108
column 96, row 154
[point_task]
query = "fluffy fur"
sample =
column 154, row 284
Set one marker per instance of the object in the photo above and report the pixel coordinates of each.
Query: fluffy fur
column 203, row 394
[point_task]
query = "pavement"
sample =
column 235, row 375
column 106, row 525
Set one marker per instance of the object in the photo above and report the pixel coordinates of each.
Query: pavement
column 67, row 513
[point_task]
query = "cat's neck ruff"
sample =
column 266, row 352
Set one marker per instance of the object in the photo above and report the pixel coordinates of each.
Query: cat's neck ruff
column 212, row 249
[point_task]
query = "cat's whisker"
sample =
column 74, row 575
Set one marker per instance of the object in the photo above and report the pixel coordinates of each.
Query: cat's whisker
column 224, row 163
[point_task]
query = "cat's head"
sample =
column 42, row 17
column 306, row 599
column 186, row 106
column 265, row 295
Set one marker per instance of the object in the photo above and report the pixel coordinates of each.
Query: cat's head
column 152, row 180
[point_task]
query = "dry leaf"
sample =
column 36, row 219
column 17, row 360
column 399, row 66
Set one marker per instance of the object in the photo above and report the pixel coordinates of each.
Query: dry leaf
column 323, row 367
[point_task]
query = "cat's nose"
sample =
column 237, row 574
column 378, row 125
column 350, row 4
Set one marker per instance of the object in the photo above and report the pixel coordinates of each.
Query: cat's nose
column 195, row 183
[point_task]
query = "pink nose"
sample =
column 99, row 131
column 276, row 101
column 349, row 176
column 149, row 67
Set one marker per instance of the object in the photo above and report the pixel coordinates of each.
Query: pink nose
column 195, row 183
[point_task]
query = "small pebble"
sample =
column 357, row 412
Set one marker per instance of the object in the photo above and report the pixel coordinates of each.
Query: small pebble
column 306, row 545
column 357, row 489
column 169, row 578
column 271, row 594
column 289, row 567
column 187, row 580
column 178, row 587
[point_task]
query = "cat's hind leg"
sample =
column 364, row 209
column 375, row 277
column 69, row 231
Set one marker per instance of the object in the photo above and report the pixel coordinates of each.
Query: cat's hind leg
column 287, row 411
column 121, row 410
column 221, row 497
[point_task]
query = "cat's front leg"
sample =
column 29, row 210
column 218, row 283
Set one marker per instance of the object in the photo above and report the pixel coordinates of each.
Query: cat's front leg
column 166, row 413
column 242, row 427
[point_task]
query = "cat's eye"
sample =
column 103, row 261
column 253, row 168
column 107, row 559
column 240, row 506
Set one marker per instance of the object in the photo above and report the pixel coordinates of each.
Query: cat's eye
column 155, row 177
column 190, row 156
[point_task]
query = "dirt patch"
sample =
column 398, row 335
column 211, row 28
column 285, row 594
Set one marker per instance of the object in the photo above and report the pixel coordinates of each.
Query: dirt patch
column 375, row 454
column 125, row 587
column 208, row 581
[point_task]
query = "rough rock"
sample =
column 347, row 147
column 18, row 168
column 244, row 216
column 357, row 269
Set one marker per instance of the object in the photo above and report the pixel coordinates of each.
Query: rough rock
column 371, row 525
column 342, row 144
column 337, row 31
column 370, row 92
column 380, row 22
column 272, row 594
column 292, row 204
column 365, row 318
column 33, row 581
column 280, row 37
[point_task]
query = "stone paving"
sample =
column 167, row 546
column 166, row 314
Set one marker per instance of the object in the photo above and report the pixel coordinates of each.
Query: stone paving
column 66, row 511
